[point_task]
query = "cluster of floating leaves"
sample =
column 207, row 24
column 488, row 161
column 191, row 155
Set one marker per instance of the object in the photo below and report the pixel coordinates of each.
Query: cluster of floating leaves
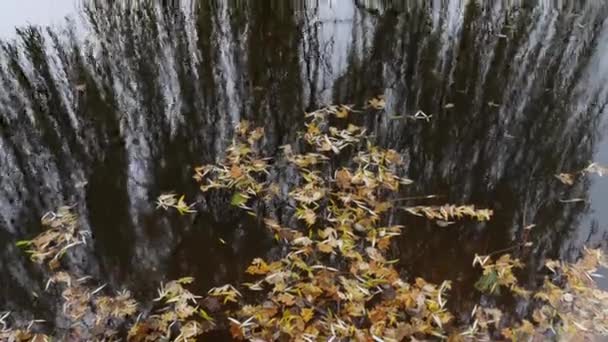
column 61, row 234
column 498, row 274
column 180, row 309
column 336, row 281
column 570, row 306
column 242, row 168
column 572, row 299
column 19, row 335
column 91, row 312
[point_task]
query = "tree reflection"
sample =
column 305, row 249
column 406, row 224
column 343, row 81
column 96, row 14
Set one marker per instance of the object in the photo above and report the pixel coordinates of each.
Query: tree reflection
column 112, row 108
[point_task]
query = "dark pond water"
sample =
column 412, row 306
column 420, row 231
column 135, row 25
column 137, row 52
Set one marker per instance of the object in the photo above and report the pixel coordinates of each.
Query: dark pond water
column 108, row 106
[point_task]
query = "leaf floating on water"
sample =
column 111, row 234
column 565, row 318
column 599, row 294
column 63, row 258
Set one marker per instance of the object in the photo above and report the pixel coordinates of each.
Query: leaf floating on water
column 377, row 102
column 566, row 178
column 286, row 299
column 569, row 178
column 236, row 172
column 444, row 224
column 184, row 208
column 205, row 315
column 306, row 214
column 167, row 201
column 239, row 199
column 185, row 280
column 499, row 274
column 307, row 314
column 23, row 243
column 449, row 211
column 341, row 112
column 493, row 104
column 596, row 168
column 343, row 178
column 258, row 266
column 227, row 292
column 572, row 200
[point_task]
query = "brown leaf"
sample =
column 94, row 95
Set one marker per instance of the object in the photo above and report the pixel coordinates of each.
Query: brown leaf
column 286, row 299
column 343, row 178
column 235, row 171
column 566, row 178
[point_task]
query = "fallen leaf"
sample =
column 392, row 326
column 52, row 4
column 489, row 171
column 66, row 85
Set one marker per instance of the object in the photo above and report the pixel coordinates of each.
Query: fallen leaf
column 377, row 102
column 239, row 199
column 566, row 178
column 235, row 171
column 343, row 178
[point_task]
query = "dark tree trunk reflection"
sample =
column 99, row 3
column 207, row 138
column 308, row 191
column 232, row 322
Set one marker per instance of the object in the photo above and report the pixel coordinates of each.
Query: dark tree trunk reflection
column 116, row 106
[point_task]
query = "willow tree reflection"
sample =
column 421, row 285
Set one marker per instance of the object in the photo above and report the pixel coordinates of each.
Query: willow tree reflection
column 110, row 109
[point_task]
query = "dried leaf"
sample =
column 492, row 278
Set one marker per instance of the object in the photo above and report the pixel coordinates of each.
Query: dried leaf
column 377, row 102
column 566, row 178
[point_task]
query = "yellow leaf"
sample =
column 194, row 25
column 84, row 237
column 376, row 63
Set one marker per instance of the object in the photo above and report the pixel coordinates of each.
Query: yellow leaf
column 342, row 112
column 307, row 314
column 258, row 266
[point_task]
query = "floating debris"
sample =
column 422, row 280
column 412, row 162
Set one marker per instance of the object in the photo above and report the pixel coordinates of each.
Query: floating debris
column 498, row 274
column 566, row 178
column 420, row 115
column 570, row 178
column 227, row 292
column 449, row 212
column 335, row 280
column 572, row 200
column 167, row 201
column 377, row 102
column 596, row 168
column 60, row 234
column 180, row 313
column 93, row 314
column 493, row 104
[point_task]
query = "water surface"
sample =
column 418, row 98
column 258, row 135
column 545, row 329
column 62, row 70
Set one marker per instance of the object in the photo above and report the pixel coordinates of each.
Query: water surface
column 107, row 106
